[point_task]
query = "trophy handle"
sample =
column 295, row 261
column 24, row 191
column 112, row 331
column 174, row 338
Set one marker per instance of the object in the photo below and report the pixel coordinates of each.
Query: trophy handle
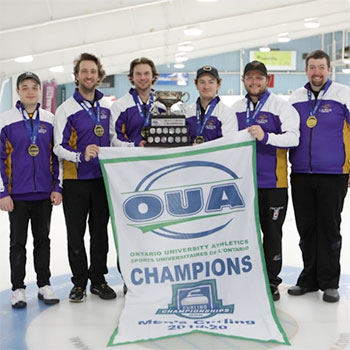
column 185, row 94
column 154, row 109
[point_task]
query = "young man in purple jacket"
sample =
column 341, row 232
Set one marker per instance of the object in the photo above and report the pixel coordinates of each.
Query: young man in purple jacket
column 29, row 185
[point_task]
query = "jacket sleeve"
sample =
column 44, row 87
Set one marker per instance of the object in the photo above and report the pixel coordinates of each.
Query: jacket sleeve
column 289, row 137
column 229, row 123
column 62, row 133
column 3, row 157
column 117, row 125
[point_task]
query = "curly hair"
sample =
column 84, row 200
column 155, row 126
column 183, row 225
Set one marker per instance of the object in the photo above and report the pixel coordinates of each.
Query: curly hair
column 88, row 57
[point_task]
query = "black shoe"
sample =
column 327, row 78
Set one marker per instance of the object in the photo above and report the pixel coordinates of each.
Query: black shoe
column 104, row 291
column 275, row 293
column 77, row 294
column 297, row 290
column 331, row 295
column 125, row 289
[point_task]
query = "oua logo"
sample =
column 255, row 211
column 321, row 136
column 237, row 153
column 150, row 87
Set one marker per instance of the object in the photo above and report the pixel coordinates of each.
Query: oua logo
column 174, row 212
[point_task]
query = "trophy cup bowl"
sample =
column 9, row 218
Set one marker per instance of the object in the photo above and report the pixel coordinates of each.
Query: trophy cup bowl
column 168, row 98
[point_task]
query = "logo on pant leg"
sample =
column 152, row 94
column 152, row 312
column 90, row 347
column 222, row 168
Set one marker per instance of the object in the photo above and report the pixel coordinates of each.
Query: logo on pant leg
column 276, row 211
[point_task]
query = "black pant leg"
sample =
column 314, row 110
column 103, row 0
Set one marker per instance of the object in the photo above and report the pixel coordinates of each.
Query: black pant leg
column 306, row 216
column 40, row 223
column 98, row 221
column 76, row 201
column 19, row 219
column 272, row 212
column 331, row 192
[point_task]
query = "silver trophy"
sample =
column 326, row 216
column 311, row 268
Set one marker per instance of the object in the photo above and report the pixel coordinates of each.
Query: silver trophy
column 170, row 98
column 168, row 129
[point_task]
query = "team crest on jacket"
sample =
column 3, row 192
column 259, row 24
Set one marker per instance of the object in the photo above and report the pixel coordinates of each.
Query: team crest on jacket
column 103, row 114
column 262, row 119
column 42, row 129
column 210, row 125
column 326, row 108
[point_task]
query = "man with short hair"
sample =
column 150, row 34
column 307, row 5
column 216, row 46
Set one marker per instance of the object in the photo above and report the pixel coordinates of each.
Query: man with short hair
column 209, row 118
column 81, row 127
column 320, row 170
column 275, row 125
column 132, row 112
column 29, row 185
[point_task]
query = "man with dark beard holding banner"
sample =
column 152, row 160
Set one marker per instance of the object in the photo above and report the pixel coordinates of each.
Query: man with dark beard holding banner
column 275, row 125
column 209, row 118
column 81, row 127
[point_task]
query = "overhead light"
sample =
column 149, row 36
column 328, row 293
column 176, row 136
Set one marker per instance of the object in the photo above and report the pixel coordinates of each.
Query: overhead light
column 283, row 38
column 193, row 31
column 57, row 69
column 264, row 49
column 24, row 59
column 179, row 59
column 311, row 22
column 179, row 65
column 346, row 70
column 185, row 48
column 207, row 0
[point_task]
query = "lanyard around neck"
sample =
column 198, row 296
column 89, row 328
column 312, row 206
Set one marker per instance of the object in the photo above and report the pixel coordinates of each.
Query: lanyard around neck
column 250, row 117
column 207, row 115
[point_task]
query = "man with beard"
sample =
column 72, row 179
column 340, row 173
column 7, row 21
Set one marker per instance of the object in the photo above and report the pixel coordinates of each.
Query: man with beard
column 275, row 125
column 81, row 127
column 132, row 111
column 320, row 170
column 209, row 118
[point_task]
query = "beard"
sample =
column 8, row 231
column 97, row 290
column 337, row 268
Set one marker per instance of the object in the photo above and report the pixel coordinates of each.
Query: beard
column 87, row 89
column 317, row 82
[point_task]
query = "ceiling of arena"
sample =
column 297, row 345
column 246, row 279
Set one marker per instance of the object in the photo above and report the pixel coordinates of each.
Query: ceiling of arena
column 54, row 32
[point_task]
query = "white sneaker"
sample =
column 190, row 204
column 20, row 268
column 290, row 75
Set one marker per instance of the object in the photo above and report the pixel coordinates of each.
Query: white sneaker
column 18, row 300
column 47, row 295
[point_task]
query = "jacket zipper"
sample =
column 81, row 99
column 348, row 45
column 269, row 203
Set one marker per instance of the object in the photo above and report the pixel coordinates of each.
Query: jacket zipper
column 31, row 124
column 310, row 160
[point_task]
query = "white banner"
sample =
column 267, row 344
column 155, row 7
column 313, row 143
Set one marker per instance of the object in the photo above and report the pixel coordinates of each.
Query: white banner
column 185, row 224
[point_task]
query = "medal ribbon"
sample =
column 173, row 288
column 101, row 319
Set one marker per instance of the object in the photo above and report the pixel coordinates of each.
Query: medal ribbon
column 95, row 119
column 32, row 131
column 146, row 119
column 250, row 118
column 313, row 111
column 207, row 115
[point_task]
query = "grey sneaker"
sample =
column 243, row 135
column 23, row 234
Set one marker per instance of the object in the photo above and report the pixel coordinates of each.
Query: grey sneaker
column 331, row 295
column 47, row 295
column 19, row 300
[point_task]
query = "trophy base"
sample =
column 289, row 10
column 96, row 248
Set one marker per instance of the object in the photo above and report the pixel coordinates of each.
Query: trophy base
column 167, row 131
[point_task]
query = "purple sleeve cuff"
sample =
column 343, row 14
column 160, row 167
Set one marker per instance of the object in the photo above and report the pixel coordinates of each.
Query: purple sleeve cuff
column 264, row 140
column 81, row 157
column 57, row 188
column 4, row 194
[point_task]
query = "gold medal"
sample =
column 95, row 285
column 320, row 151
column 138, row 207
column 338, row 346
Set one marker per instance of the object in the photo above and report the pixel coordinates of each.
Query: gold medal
column 311, row 122
column 99, row 131
column 33, row 150
column 199, row 139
